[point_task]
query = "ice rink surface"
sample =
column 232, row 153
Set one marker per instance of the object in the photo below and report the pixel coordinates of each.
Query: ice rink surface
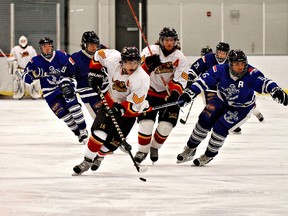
column 37, row 153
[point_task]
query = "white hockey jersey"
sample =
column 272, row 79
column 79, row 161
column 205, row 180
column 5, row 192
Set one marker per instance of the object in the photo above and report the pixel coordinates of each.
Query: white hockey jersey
column 22, row 56
column 174, row 69
column 129, row 90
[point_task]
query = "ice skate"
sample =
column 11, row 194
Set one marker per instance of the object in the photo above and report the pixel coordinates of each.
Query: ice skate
column 96, row 163
column 260, row 117
column 139, row 157
column 153, row 154
column 83, row 137
column 202, row 160
column 82, row 167
column 186, row 155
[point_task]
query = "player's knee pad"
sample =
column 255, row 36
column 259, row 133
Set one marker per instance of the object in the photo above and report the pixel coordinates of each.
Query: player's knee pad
column 146, row 126
column 164, row 128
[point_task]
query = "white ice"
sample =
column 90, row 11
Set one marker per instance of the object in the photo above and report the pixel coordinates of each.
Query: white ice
column 38, row 152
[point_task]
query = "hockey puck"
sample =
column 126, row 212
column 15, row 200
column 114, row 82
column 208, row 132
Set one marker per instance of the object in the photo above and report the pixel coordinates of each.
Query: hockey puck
column 142, row 179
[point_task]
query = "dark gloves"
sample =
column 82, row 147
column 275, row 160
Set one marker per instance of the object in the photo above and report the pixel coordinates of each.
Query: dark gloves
column 67, row 89
column 117, row 110
column 279, row 96
column 152, row 62
column 173, row 97
column 96, row 79
column 37, row 73
column 186, row 97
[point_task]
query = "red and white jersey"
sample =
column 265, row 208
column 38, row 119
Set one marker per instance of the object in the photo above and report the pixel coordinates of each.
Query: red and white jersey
column 173, row 72
column 22, row 56
column 129, row 90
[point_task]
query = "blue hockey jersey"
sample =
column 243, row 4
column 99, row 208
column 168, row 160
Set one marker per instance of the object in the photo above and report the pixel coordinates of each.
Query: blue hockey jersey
column 237, row 92
column 53, row 68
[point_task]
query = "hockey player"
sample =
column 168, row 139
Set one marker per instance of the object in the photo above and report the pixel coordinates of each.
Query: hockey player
column 235, row 100
column 127, row 90
column 168, row 69
column 207, row 61
column 19, row 57
column 205, row 50
column 90, row 43
column 48, row 67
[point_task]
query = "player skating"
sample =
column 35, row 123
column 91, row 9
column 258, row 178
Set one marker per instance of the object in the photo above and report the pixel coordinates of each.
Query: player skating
column 233, row 105
column 48, row 67
column 168, row 69
column 127, row 90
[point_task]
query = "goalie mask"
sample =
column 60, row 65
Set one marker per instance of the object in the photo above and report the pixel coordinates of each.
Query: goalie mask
column 90, row 37
column 222, row 50
column 46, row 47
column 238, row 63
column 23, row 42
column 130, row 59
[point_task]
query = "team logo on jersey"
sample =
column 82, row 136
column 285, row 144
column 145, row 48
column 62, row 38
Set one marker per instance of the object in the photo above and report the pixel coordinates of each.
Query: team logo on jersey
column 184, row 75
column 166, row 67
column 25, row 54
column 102, row 54
column 230, row 92
column 231, row 117
column 119, row 85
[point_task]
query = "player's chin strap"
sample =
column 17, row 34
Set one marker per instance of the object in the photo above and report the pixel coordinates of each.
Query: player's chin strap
column 124, row 143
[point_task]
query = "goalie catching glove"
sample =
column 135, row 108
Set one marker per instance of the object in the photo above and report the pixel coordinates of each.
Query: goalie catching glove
column 279, row 95
column 186, row 97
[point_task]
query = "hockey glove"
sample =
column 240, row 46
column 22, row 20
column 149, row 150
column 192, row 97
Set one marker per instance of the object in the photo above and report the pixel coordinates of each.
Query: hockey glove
column 96, row 79
column 152, row 62
column 186, row 97
column 279, row 96
column 117, row 110
column 67, row 90
column 37, row 73
column 173, row 97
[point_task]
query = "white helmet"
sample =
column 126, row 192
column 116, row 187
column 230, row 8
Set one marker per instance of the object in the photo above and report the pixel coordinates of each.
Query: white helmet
column 23, row 41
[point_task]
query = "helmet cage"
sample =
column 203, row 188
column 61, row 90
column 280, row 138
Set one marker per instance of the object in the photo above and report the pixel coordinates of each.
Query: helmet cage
column 23, row 42
column 222, row 46
column 237, row 56
column 206, row 50
column 89, row 37
column 43, row 41
column 168, row 32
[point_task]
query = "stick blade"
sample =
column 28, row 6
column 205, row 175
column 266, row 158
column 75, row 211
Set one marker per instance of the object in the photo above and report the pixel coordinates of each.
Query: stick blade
column 182, row 121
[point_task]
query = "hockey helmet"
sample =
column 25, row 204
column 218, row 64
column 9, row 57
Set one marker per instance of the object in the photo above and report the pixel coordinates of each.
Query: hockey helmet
column 46, row 40
column 237, row 56
column 205, row 50
column 89, row 37
column 224, row 47
column 168, row 32
column 130, row 54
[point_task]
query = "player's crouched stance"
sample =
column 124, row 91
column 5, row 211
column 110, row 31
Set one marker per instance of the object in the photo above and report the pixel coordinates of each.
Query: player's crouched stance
column 232, row 106
column 128, row 87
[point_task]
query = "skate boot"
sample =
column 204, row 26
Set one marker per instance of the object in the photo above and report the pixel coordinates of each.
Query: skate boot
column 237, row 130
column 96, row 163
column 260, row 117
column 83, row 136
column 153, row 154
column 139, row 157
column 82, row 167
column 202, row 160
column 186, row 155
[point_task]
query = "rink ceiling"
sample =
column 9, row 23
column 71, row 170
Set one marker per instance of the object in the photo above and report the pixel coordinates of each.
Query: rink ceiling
column 38, row 152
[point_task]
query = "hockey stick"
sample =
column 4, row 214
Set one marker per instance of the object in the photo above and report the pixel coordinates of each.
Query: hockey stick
column 164, row 106
column 124, row 143
column 184, row 121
